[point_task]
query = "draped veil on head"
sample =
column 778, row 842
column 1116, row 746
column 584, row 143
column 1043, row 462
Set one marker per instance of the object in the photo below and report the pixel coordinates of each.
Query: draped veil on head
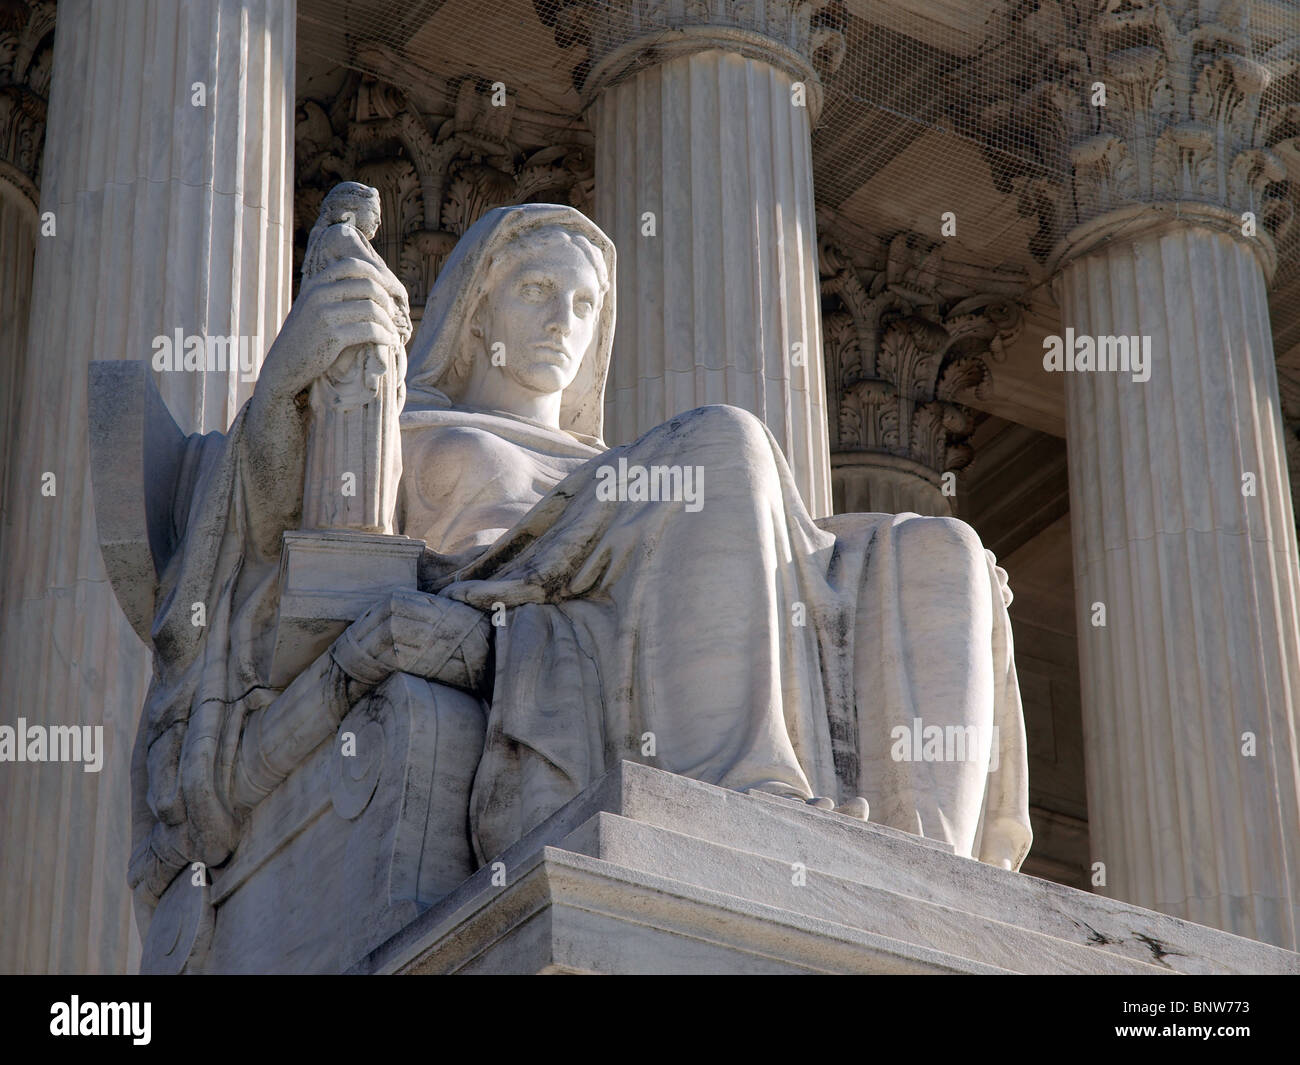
column 462, row 283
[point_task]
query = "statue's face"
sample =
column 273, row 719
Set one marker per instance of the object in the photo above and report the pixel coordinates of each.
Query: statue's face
column 367, row 217
column 543, row 313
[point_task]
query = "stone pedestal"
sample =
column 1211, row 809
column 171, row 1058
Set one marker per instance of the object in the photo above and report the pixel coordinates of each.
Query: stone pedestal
column 648, row 872
column 704, row 183
column 172, row 213
column 1184, row 537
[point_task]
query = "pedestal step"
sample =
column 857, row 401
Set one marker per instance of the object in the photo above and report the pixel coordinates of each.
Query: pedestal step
column 647, row 871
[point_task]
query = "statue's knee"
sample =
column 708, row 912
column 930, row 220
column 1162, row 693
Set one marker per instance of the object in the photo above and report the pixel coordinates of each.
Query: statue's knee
column 742, row 430
column 936, row 539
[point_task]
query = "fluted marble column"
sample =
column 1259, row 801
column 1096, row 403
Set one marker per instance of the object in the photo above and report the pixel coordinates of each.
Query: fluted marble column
column 1183, row 533
column 718, row 302
column 1184, row 546
column 170, row 216
column 26, row 46
column 865, row 482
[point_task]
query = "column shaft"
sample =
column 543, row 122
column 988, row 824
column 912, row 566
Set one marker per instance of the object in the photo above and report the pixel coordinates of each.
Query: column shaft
column 1196, row 565
column 721, row 304
column 170, row 215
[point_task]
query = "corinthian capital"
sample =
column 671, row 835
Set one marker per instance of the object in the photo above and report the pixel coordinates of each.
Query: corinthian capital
column 1158, row 108
column 904, row 345
column 802, row 36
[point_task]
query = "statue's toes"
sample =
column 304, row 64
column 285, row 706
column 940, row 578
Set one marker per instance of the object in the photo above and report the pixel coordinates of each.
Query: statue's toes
column 855, row 807
column 821, row 802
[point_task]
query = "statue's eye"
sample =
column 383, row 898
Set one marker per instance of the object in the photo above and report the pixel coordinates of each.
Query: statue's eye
column 583, row 307
column 531, row 290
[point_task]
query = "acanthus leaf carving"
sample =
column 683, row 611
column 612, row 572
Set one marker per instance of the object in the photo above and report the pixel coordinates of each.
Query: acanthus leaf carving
column 26, row 59
column 903, row 347
column 1190, row 100
column 437, row 173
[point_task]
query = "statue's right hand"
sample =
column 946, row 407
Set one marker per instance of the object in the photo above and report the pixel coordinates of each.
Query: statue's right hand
column 344, row 305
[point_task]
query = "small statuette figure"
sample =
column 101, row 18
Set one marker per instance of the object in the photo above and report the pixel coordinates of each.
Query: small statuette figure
column 354, row 450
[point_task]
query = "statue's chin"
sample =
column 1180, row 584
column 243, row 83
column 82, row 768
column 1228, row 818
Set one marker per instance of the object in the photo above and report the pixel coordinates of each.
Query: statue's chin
column 543, row 378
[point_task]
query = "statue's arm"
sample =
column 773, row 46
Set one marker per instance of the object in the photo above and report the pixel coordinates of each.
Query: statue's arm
column 344, row 305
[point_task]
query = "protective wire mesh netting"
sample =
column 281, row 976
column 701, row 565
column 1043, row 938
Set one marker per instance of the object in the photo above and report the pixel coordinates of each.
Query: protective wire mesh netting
column 1023, row 118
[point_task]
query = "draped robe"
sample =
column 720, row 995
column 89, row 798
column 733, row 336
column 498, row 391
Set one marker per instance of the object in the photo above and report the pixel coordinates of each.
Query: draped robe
column 741, row 643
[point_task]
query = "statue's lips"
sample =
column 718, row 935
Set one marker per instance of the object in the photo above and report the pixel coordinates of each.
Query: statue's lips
column 551, row 353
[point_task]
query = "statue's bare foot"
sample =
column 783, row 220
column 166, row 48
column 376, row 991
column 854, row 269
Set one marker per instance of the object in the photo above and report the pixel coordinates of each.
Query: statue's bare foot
column 777, row 789
column 855, row 807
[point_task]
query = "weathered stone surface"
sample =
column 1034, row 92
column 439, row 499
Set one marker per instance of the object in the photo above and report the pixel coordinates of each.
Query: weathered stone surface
column 651, row 872
column 356, row 842
column 167, row 217
column 1188, row 584
column 354, row 445
column 717, row 250
column 135, row 457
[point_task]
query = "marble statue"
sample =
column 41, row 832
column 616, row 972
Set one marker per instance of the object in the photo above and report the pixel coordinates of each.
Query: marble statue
column 667, row 601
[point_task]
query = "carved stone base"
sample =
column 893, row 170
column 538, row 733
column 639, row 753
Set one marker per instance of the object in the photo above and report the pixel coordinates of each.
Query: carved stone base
column 329, row 578
column 360, row 838
column 648, row 872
